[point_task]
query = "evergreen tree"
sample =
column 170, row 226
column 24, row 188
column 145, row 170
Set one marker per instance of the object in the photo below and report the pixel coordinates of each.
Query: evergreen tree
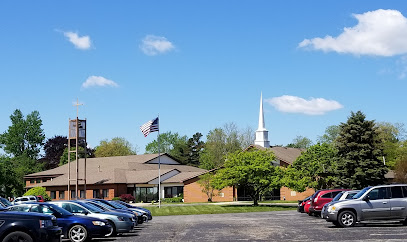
column 360, row 153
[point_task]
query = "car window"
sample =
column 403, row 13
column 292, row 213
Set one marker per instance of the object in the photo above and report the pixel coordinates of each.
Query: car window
column 378, row 193
column 20, row 209
column 350, row 195
column 404, row 191
column 77, row 209
column 327, row 195
column 67, row 207
column 396, row 192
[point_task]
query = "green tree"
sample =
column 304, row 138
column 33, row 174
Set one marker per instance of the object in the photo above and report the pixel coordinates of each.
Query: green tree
column 10, row 185
column 38, row 191
column 331, row 133
column 24, row 136
column 219, row 142
column 300, row 142
column 392, row 136
column 252, row 170
column 170, row 143
column 81, row 154
column 360, row 153
column 206, row 181
column 315, row 168
column 195, row 147
column 115, row 147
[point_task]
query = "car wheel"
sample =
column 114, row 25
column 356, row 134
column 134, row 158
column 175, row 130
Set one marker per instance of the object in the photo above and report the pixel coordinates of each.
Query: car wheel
column 310, row 214
column 77, row 233
column 18, row 236
column 405, row 222
column 112, row 230
column 347, row 219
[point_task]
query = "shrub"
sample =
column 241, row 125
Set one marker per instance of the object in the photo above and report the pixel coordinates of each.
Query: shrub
column 38, row 191
column 126, row 197
column 115, row 198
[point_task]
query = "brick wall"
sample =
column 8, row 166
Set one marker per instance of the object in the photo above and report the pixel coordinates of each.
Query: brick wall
column 114, row 190
column 193, row 193
column 291, row 195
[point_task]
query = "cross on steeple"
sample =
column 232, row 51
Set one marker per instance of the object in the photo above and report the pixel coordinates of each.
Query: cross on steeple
column 77, row 104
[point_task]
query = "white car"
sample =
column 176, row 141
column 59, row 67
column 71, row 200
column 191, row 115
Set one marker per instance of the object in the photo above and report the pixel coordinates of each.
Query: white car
column 24, row 199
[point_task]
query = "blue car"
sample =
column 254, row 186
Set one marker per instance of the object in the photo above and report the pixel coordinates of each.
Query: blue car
column 74, row 227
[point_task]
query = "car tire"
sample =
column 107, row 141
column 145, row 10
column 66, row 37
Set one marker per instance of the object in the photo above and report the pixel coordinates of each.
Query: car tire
column 18, row 236
column 77, row 233
column 113, row 230
column 405, row 222
column 347, row 219
column 310, row 214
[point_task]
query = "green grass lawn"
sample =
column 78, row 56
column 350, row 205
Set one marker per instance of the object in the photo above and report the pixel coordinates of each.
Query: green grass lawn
column 279, row 201
column 213, row 209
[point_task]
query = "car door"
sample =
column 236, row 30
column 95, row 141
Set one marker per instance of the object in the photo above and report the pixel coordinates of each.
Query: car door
column 378, row 204
column 397, row 202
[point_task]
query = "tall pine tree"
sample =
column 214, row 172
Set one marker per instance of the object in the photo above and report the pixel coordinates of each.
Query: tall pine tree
column 360, row 153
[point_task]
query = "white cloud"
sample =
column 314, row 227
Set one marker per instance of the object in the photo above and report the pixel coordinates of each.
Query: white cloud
column 82, row 42
column 154, row 45
column 313, row 106
column 98, row 81
column 378, row 33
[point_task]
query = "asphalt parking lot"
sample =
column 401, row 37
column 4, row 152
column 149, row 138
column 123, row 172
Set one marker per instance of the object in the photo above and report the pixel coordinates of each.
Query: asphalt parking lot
column 264, row 226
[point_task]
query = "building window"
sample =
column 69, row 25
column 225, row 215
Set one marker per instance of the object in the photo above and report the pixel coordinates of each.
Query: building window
column 105, row 193
column 61, row 194
column 53, row 194
column 73, row 194
column 170, row 192
column 38, row 180
column 82, row 193
column 44, row 179
column 96, row 193
column 32, row 181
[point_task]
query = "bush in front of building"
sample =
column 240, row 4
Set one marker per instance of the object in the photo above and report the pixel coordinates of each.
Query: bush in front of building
column 127, row 198
column 38, row 191
column 116, row 199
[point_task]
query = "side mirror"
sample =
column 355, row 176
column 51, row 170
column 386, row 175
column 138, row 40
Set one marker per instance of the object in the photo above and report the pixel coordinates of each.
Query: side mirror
column 85, row 212
column 366, row 198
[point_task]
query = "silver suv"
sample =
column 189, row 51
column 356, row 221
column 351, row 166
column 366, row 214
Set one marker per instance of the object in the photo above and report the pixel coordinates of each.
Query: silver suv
column 385, row 202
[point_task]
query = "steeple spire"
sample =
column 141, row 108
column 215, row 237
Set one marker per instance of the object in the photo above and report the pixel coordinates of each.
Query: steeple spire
column 261, row 132
column 261, row 115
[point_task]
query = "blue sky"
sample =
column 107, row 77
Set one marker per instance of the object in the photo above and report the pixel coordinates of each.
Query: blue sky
column 201, row 64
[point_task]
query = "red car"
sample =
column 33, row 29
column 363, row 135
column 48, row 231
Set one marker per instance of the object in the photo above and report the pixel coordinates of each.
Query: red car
column 320, row 198
column 40, row 199
column 306, row 206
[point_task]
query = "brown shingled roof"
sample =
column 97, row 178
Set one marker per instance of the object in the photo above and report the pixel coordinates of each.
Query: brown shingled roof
column 114, row 170
column 285, row 154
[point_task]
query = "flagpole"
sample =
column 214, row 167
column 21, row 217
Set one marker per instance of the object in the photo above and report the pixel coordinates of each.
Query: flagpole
column 159, row 164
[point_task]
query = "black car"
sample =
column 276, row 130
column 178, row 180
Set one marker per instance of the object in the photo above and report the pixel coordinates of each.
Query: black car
column 301, row 204
column 29, row 227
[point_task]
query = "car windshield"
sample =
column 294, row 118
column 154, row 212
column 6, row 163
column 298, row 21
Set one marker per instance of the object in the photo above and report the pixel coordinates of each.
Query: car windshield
column 59, row 210
column 5, row 201
column 104, row 205
column 117, row 205
column 360, row 194
column 92, row 208
column 336, row 198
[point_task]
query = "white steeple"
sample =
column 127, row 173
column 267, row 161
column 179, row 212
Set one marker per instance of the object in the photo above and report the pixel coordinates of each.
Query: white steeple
column 261, row 132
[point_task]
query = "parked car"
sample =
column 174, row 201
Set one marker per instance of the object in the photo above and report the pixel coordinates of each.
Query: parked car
column 36, row 227
column 320, row 198
column 130, row 206
column 40, row 199
column 24, row 199
column 301, row 204
column 307, row 205
column 4, row 202
column 120, row 222
column 385, row 202
column 103, row 204
column 345, row 195
column 74, row 227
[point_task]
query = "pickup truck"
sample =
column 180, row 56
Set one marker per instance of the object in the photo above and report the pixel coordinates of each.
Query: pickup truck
column 29, row 227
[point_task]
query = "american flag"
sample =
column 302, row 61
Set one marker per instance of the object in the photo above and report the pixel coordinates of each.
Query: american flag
column 150, row 126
